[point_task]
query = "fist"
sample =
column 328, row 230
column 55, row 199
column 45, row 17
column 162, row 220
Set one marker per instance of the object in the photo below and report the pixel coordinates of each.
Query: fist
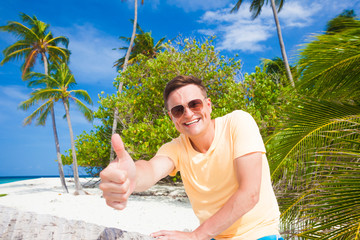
column 118, row 179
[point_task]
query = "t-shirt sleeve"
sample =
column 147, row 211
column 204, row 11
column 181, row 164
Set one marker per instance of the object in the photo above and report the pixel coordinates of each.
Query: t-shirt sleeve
column 246, row 134
column 170, row 150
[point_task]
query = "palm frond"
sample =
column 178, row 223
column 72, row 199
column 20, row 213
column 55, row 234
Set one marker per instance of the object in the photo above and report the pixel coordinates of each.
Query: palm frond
column 41, row 120
column 82, row 94
column 311, row 118
column 63, row 40
column 34, row 23
column 236, row 7
column 40, row 113
column 19, row 30
column 88, row 113
column 319, row 150
column 256, row 7
column 16, row 55
column 28, row 103
column 159, row 43
column 330, row 66
column 47, row 93
column 19, row 45
column 59, row 53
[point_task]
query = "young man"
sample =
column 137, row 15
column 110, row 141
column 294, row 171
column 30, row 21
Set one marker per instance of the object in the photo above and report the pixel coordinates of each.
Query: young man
column 222, row 163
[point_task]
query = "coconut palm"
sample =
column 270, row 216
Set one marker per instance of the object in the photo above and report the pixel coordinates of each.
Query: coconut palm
column 116, row 111
column 255, row 8
column 276, row 69
column 41, row 114
column 143, row 44
column 36, row 41
column 315, row 159
column 57, row 87
column 346, row 20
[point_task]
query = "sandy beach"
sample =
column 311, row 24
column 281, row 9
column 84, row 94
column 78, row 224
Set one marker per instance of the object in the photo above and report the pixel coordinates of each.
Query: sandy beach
column 160, row 208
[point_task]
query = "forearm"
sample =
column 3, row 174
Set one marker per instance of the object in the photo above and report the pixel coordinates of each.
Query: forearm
column 239, row 203
column 144, row 176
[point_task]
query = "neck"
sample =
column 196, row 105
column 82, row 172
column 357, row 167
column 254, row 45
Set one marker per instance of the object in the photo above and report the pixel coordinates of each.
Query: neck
column 203, row 142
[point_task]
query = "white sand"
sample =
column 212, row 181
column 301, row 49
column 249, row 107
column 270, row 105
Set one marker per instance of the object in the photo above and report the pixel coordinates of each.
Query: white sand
column 142, row 214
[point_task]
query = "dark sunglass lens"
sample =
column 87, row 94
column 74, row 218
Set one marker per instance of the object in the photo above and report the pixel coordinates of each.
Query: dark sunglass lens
column 196, row 105
column 177, row 111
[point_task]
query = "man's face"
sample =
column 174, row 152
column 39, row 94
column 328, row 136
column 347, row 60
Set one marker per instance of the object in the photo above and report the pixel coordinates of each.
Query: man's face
column 191, row 123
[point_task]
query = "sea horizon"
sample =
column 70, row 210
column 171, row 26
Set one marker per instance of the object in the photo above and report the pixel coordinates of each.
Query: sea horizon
column 9, row 179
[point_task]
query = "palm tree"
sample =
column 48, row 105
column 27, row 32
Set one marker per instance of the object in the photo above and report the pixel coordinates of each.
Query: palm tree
column 255, row 8
column 35, row 40
column 346, row 20
column 276, row 69
column 116, row 110
column 143, row 44
column 315, row 158
column 56, row 87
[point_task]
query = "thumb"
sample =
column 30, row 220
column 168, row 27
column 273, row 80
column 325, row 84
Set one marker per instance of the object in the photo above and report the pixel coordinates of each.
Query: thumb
column 118, row 146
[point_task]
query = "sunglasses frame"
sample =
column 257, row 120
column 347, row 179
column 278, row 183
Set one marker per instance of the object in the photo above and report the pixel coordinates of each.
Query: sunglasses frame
column 193, row 109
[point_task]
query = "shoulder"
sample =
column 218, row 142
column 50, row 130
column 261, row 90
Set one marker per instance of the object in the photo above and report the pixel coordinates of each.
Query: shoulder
column 173, row 142
column 237, row 115
column 171, row 146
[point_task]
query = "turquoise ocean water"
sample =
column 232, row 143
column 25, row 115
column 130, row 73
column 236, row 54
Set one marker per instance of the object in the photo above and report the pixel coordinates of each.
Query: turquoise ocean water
column 15, row 179
column 21, row 178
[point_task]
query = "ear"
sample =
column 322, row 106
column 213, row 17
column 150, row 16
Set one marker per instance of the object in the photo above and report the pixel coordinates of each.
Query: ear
column 209, row 104
column 170, row 115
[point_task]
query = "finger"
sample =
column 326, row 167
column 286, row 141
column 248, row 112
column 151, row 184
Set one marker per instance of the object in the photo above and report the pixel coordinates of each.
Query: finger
column 160, row 234
column 112, row 174
column 117, row 205
column 115, row 187
column 118, row 145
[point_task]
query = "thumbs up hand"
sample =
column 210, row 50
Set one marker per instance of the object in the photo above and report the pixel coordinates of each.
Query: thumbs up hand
column 118, row 179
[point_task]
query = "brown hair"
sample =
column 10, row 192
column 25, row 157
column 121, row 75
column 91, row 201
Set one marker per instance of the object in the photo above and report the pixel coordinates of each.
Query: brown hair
column 182, row 81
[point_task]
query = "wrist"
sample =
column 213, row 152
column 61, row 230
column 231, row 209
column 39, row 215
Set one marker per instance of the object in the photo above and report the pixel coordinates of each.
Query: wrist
column 200, row 234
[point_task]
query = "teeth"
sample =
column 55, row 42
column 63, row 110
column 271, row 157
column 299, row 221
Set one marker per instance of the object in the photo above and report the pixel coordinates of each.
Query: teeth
column 189, row 123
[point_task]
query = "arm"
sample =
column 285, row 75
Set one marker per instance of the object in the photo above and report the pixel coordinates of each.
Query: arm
column 122, row 177
column 150, row 172
column 248, row 170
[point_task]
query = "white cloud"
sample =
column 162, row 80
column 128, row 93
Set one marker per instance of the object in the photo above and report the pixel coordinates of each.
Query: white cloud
column 92, row 56
column 238, row 31
column 245, row 38
column 296, row 14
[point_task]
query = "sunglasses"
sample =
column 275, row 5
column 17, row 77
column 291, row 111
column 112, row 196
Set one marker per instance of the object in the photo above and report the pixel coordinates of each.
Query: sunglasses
column 195, row 105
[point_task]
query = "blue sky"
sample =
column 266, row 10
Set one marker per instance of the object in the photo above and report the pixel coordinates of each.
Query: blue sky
column 93, row 28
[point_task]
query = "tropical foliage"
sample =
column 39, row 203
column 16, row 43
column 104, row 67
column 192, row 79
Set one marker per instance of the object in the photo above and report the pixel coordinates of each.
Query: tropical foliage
column 144, row 123
column 53, row 88
column 266, row 98
column 143, row 44
column 315, row 158
column 115, row 119
column 275, row 69
column 276, row 5
column 35, row 40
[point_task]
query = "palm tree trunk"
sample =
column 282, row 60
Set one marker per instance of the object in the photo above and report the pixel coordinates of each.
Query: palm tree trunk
column 78, row 187
column 57, row 145
column 116, row 110
column 282, row 45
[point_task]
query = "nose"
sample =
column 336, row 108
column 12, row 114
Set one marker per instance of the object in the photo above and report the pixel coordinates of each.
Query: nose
column 187, row 112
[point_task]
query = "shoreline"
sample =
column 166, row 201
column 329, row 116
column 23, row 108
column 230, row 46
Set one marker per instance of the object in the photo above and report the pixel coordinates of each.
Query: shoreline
column 160, row 208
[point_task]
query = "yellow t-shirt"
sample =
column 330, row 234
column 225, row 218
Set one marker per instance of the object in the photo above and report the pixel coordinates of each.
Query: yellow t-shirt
column 210, row 180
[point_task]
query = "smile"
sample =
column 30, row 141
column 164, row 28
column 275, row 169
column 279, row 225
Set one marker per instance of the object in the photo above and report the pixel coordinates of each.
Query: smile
column 192, row 122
